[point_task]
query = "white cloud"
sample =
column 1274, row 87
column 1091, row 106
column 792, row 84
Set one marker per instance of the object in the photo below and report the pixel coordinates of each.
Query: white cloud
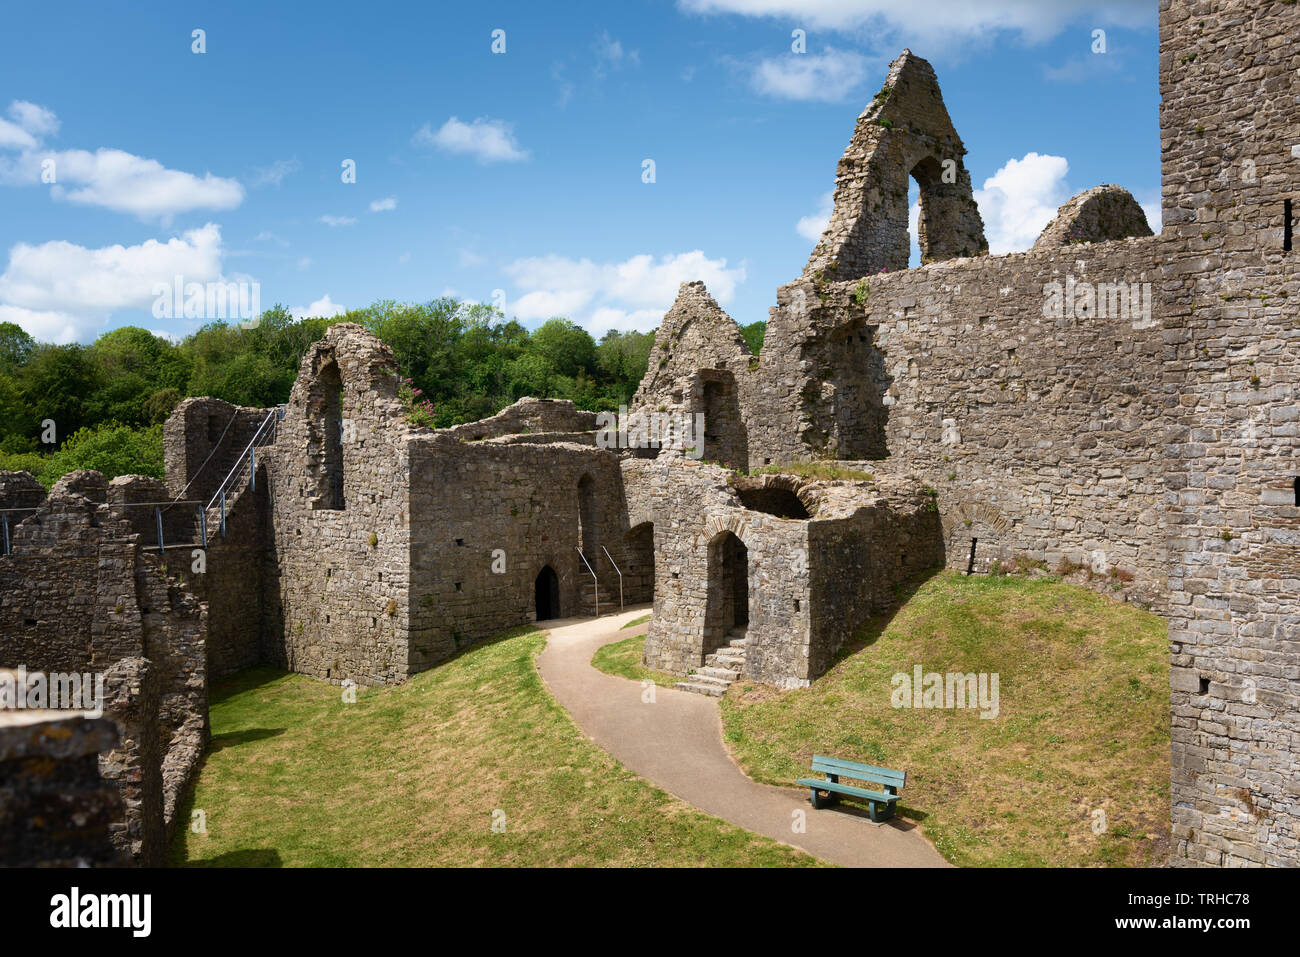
column 812, row 226
column 487, row 140
column 336, row 220
column 36, row 120
column 633, row 294
column 59, row 291
column 322, row 308
column 275, row 174
column 110, row 178
column 828, row 76
column 610, row 52
column 1020, row 199
column 383, row 205
column 936, row 22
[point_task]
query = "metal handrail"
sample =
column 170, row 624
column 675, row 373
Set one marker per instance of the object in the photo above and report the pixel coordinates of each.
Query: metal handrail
column 594, row 580
column 620, row 577
column 245, row 456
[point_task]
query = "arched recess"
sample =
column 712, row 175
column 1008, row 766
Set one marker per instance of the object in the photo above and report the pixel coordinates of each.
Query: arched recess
column 327, row 411
column 975, row 534
column 726, row 612
column 639, row 573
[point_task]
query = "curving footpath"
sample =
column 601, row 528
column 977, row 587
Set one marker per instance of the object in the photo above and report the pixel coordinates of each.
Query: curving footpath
column 676, row 743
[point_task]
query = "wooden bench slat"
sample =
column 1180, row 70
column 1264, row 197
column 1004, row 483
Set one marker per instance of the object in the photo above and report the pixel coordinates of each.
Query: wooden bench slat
column 847, row 789
column 861, row 772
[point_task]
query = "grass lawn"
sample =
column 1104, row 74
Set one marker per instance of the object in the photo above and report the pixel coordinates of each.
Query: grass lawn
column 1083, row 723
column 412, row 775
column 623, row 658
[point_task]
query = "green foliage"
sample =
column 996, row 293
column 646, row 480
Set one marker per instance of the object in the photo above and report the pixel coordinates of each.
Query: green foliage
column 753, row 334
column 463, row 361
column 110, row 448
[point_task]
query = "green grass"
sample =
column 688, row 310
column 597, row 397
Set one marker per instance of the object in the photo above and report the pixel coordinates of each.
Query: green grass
column 411, row 775
column 1083, row 723
column 816, row 471
column 637, row 621
column 623, row 659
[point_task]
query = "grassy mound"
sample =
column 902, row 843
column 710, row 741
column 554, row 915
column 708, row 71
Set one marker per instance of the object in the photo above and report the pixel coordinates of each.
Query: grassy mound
column 623, row 659
column 412, row 775
column 1082, row 728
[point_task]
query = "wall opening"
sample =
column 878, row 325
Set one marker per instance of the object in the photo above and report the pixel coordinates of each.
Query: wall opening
column 1296, row 486
column 639, row 575
column 1287, row 227
column 332, row 428
column 546, row 594
column 724, row 429
column 970, row 563
column 587, row 539
column 727, row 601
column 780, row 502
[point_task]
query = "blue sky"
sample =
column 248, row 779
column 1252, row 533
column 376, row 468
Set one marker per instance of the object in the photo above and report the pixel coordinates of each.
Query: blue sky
column 519, row 171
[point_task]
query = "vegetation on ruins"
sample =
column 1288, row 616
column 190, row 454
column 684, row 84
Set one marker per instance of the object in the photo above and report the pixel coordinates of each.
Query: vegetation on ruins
column 410, row 775
column 461, row 362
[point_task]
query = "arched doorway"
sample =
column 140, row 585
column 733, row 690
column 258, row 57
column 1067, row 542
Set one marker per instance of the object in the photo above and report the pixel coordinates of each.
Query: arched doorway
column 639, row 575
column 546, row 594
column 726, row 612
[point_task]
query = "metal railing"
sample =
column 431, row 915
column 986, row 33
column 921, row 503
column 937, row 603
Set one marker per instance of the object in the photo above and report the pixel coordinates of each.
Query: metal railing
column 594, row 580
column 620, row 577
column 265, row 435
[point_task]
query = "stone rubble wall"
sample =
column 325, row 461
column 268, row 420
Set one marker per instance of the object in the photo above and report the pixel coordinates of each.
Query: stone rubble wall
column 527, row 415
column 55, row 808
column 1230, row 129
column 80, row 593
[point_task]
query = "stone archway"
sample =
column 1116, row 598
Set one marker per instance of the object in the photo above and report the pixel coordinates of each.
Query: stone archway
column 727, row 599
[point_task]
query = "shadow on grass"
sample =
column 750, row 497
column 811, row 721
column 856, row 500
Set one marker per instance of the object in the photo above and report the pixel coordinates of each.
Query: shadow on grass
column 868, row 634
column 254, row 857
column 235, row 738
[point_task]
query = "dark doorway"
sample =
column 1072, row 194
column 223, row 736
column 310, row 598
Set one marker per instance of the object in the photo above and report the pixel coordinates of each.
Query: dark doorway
column 546, row 593
column 727, row 603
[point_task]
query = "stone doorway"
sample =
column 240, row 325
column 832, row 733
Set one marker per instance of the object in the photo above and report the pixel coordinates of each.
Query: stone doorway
column 546, row 594
column 726, row 613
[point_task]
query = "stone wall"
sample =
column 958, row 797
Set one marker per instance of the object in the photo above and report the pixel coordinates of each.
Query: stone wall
column 1229, row 127
column 55, row 808
column 337, row 575
column 809, row 581
column 81, row 593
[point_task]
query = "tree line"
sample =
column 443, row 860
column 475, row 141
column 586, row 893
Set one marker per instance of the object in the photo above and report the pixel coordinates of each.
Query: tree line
column 101, row 406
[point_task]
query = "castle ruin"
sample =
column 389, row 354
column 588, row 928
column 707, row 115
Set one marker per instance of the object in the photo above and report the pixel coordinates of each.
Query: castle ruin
column 1112, row 397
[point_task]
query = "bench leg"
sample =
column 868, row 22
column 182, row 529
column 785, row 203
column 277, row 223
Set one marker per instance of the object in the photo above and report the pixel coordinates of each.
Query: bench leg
column 877, row 815
column 812, row 798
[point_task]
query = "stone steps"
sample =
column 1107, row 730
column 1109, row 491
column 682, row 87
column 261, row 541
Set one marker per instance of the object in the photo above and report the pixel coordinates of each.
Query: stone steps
column 721, row 668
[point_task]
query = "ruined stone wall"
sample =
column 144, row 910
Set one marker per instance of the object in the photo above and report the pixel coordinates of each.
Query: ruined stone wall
column 1229, row 128
column 864, row 547
column 527, row 415
column 486, row 517
column 55, row 809
column 1046, row 430
column 203, row 439
column 337, row 573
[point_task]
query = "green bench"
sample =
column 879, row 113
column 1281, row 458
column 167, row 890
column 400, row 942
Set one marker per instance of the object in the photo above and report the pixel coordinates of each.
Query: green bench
column 879, row 803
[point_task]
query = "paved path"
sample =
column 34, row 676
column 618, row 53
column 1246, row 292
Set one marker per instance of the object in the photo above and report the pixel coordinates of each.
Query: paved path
column 676, row 743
